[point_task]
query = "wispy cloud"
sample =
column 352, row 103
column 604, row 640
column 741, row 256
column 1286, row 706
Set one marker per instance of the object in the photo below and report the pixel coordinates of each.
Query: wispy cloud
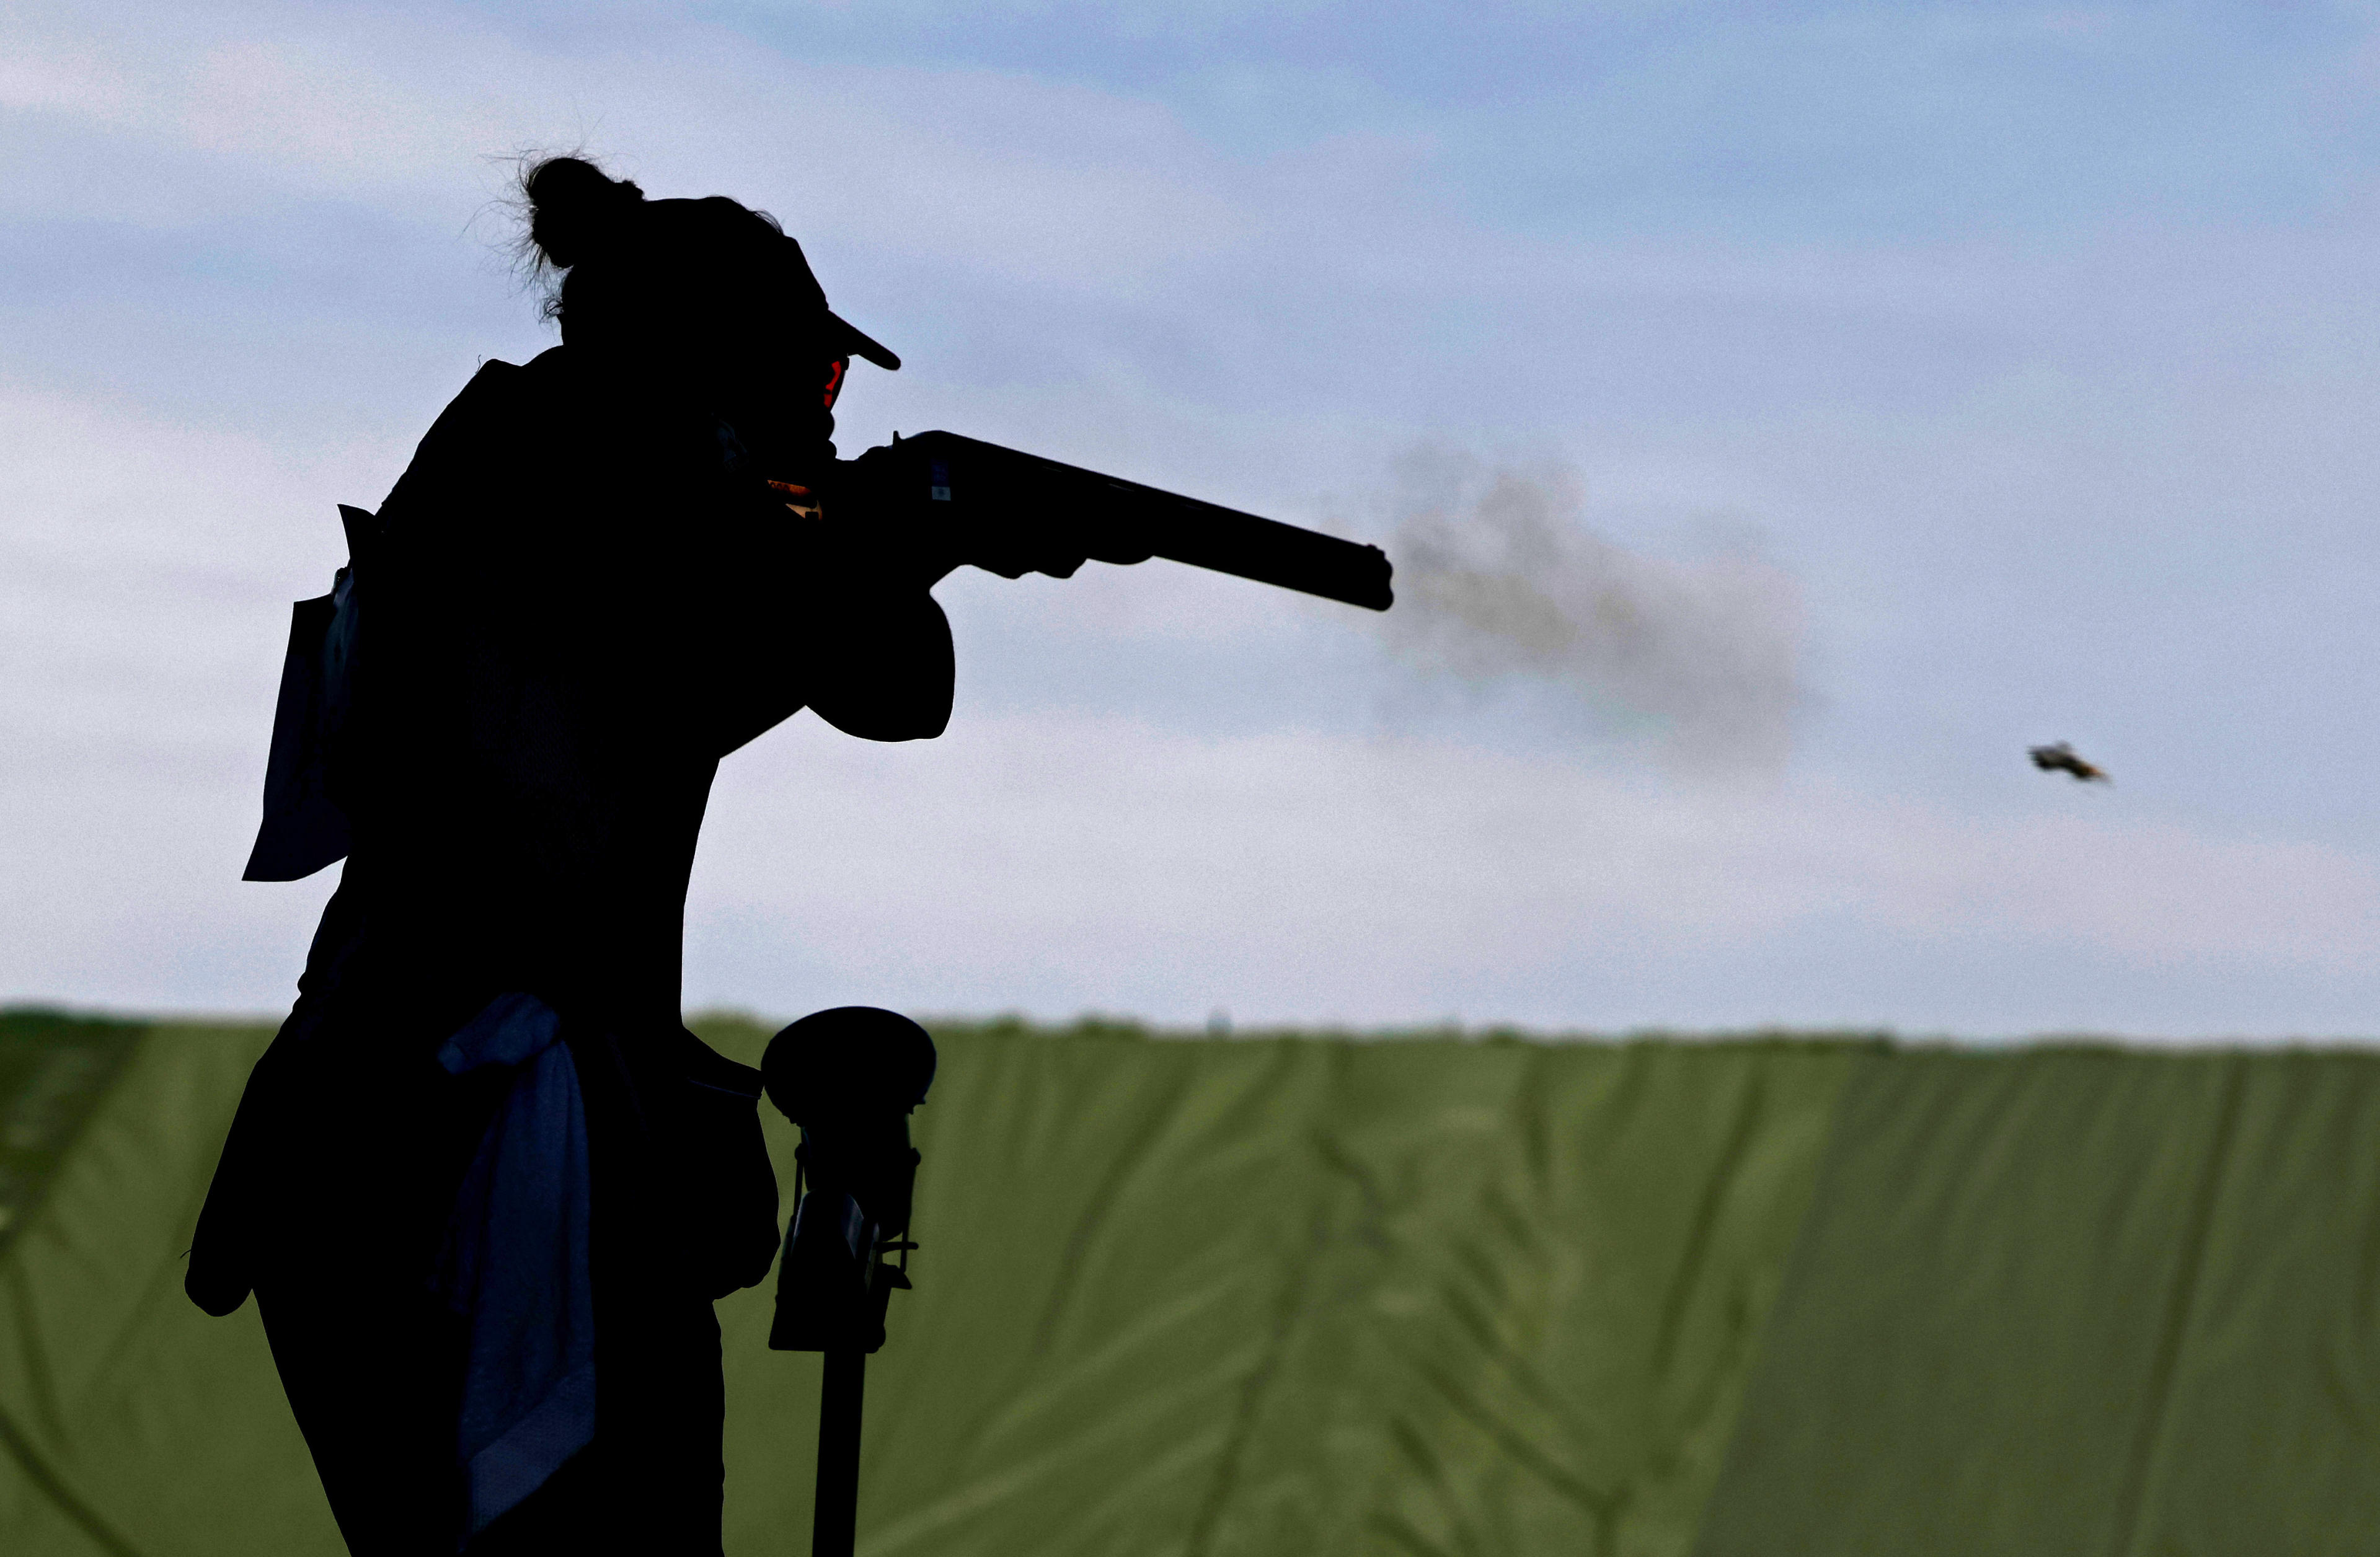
column 1091, row 863
column 2051, row 400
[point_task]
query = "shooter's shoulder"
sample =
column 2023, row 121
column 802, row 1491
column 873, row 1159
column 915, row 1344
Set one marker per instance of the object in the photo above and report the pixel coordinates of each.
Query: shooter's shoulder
column 498, row 391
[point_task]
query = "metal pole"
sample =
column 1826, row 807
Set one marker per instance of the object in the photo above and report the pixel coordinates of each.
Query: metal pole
column 835, row 1515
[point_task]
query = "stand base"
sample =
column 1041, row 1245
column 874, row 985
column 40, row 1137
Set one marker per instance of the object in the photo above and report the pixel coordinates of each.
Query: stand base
column 835, row 1520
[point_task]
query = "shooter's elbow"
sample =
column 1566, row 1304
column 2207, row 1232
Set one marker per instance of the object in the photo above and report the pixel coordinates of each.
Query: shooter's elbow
column 874, row 719
column 896, row 683
column 904, row 702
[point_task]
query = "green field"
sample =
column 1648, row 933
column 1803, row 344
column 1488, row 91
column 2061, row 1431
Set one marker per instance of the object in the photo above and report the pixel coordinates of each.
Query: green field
column 1422, row 1293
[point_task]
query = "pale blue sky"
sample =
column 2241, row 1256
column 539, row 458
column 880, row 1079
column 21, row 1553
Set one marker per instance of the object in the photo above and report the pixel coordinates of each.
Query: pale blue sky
column 2034, row 347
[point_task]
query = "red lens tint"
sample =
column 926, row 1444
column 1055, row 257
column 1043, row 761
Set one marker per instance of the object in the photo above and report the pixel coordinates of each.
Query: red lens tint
column 835, row 371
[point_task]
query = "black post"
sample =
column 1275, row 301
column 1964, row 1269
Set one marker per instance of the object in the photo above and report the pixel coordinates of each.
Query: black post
column 848, row 1077
column 834, row 1521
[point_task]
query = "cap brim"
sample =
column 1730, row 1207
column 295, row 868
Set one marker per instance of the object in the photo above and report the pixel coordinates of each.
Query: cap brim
column 850, row 341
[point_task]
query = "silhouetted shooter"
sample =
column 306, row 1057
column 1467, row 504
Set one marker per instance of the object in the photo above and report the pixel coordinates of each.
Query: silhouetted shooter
column 484, row 1184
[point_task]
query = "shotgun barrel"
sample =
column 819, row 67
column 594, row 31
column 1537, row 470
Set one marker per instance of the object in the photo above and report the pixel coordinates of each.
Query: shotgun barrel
column 1113, row 519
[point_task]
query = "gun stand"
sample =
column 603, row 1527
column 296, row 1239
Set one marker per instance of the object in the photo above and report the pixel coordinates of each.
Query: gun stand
column 834, row 1524
column 848, row 1077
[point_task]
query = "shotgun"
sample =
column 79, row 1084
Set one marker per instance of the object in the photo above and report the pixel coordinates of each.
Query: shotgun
column 1109, row 519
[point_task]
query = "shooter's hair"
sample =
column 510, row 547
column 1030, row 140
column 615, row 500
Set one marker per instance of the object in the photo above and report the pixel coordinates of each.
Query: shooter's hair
column 618, row 268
